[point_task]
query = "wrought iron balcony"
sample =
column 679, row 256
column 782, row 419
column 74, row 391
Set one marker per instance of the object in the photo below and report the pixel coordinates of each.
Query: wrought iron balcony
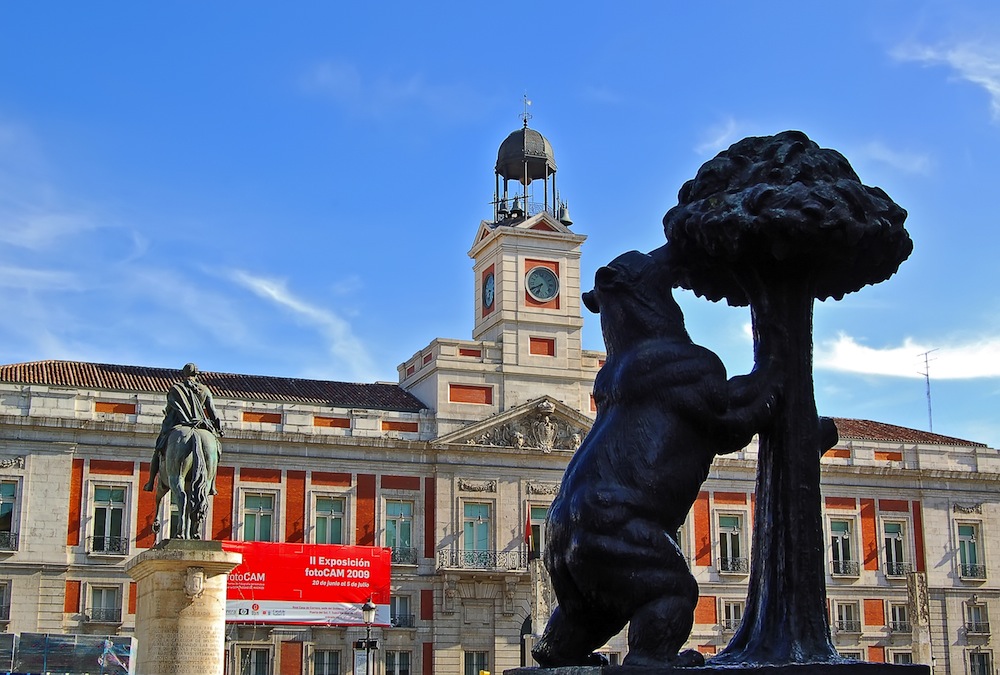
column 898, row 569
column 848, row 626
column 972, row 571
column 483, row 560
column 104, row 615
column 977, row 627
column 730, row 624
column 404, row 556
column 8, row 541
column 4, row 612
column 734, row 565
column 900, row 627
column 402, row 620
column 108, row 545
column 846, row 568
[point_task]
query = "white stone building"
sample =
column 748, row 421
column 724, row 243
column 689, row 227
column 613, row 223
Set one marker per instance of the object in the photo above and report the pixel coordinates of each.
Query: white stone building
column 448, row 467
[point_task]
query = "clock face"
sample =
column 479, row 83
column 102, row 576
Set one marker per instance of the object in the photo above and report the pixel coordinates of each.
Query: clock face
column 543, row 284
column 489, row 287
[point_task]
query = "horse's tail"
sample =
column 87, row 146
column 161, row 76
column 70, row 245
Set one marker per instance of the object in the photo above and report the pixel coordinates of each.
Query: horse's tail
column 199, row 478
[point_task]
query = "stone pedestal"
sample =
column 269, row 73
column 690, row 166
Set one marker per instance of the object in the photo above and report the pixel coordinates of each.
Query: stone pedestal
column 180, row 617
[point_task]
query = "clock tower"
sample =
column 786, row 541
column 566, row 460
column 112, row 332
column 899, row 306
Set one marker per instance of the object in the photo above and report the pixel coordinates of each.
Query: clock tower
column 527, row 330
column 526, row 269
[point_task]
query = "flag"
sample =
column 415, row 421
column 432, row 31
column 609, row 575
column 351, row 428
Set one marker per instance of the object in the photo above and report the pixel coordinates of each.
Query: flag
column 529, row 538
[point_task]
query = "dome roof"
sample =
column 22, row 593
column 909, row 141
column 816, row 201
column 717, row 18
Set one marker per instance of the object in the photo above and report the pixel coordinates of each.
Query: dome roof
column 525, row 146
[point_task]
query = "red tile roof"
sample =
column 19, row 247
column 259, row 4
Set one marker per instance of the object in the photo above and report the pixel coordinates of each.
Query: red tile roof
column 225, row 385
column 867, row 430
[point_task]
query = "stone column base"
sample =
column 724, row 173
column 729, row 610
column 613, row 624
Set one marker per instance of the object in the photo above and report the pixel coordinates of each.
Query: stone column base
column 180, row 620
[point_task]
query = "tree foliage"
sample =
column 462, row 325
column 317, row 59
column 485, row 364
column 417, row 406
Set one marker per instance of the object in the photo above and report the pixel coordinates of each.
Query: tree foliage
column 782, row 206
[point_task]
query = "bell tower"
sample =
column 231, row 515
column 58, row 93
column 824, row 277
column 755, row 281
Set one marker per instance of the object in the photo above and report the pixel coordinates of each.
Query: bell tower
column 526, row 268
column 527, row 312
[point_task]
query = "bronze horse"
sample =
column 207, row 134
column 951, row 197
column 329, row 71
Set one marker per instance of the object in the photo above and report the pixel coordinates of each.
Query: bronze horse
column 190, row 460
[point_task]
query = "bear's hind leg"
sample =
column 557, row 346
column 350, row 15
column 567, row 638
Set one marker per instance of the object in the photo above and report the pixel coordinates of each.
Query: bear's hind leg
column 661, row 627
column 570, row 639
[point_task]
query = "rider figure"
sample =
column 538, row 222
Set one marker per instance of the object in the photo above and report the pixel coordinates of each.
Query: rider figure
column 189, row 404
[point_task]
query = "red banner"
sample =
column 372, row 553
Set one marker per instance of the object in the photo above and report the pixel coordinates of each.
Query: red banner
column 307, row 583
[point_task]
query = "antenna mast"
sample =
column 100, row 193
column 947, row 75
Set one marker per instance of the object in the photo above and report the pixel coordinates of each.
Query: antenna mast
column 927, row 378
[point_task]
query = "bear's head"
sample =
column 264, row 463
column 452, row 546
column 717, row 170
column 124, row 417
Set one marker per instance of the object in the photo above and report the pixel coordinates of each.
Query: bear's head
column 633, row 294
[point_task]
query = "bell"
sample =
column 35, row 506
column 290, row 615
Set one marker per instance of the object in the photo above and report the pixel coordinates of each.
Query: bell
column 564, row 215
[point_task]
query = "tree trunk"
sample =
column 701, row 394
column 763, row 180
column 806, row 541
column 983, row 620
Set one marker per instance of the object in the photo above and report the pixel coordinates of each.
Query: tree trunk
column 785, row 620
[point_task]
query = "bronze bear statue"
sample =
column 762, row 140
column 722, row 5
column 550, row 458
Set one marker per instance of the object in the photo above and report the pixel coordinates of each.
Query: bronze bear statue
column 665, row 409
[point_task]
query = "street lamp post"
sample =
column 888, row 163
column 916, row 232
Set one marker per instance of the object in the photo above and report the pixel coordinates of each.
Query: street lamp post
column 368, row 616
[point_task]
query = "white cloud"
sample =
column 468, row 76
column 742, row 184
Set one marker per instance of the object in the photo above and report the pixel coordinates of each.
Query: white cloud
column 26, row 279
column 973, row 62
column 972, row 359
column 344, row 345
column 384, row 96
column 718, row 137
column 907, row 162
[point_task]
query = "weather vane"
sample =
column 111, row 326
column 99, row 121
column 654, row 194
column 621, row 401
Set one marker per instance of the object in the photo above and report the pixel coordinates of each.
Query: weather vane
column 525, row 116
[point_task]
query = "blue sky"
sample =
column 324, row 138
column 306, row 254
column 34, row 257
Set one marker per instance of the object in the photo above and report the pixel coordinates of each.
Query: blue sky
column 293, row 189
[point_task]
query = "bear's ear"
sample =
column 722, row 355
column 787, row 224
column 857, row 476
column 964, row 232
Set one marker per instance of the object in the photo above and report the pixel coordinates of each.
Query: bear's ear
column 605, row 277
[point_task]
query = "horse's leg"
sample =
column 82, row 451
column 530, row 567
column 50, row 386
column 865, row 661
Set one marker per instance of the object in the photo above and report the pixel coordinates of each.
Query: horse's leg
column 177, row 487
column 160, row 491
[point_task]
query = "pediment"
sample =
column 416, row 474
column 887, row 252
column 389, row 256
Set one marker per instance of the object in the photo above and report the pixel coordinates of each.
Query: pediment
column 543, row 424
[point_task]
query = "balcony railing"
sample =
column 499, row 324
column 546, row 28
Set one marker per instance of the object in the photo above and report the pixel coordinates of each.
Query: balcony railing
column 402, row 620
column 734, row 565
column 108, row 545
column 972, row 571
column 8, row 541
column 730, row 624
column 900, row 627
column 483, row 560
column 846, row 568
column 898, row 569
column 849, row 626
column 4, row 612
column 404, row 556
column 104, row 615
column 977, row 627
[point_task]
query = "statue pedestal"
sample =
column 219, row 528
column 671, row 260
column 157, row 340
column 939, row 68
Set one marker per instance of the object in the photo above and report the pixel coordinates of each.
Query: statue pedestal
column 181, row 610
column 847, row 668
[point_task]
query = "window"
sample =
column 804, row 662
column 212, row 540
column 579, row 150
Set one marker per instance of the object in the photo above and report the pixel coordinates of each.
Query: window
column 980, row 663
column 476, row 535
column 730, row 544
column 732, row 614
column 254, row 661
column 109, row 516
column 895, row 551
column 326, row 662
column 976, row 619
column 899, row 619
column 4, row 600
column 258, row 519
column 971, row 566
column 856, row 656
column 105, row 604
column 8, row 524
column 847, row 617
column 329, row 520
column 902, row 657
column 399, row 531
column 397, row 663
column 843, row 556
column 399, row 611
column 536, row 544
column 476, row 661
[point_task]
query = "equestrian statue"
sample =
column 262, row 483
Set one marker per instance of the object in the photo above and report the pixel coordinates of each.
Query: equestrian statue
column 187, row 454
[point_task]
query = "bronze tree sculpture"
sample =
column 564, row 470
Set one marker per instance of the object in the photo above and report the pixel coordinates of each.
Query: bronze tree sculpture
column 776, row 223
